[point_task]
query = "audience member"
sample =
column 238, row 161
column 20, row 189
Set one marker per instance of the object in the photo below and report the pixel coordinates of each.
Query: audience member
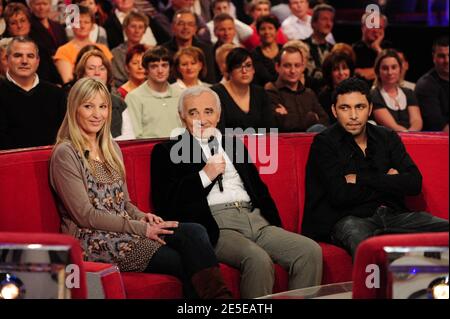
column 265, row 54
column 357, row 177
column 65, row 56
column 98, row 33
column 336, row 67
column 298, row 25
column 2, row 20
column 184, row 27
column 224, row 29
column 46, row 32
column 32, row 109
column 188, row 64
column 370, row 45
column 346, row 49
column 243, row 31
column 305, row 78
column 394, row 106
column 295, row 107
column 87, row 174
column 322, row 22
column 153, row 105
column 136, row 72
column 221, row 61
column 3, row 58
column 433, row 91
column 245, row 105
column 201, row 31
column 260, row 8
column 134, row 26
column 238, row 212
column 94, row 64
column 18, row 23
column 154, row 33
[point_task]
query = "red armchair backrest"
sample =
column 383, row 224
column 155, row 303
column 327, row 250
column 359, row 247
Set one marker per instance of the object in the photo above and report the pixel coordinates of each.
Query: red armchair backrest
column 27, row 203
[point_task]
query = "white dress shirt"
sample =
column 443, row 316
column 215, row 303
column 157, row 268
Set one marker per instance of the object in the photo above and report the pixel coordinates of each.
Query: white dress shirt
column 233, row 186
column 297, row 29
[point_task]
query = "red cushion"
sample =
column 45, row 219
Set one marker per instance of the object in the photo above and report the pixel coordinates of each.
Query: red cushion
column 430, row 153
column 27, row 204
column 371, row 251
column 151, row 286
column 337, row 264
column 110, row 277
column 282, row 183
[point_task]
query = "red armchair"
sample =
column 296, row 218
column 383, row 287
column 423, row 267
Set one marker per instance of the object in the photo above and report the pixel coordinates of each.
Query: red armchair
column 371, row 251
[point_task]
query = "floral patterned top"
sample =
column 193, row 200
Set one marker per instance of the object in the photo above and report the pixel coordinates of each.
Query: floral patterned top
column 105, row 192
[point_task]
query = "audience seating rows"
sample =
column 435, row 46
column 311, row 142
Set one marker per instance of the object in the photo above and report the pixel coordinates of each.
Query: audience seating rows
column 28, row 209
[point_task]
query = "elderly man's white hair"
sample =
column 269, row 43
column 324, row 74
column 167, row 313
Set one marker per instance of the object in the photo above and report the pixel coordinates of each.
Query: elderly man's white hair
column 196, row 91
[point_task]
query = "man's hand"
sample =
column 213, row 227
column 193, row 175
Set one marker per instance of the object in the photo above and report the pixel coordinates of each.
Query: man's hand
column 155, row 230
column 215, row 166
column 280, row 109
column 392, row 171
column 376, row 45
column 151, row 219
column 350, row 178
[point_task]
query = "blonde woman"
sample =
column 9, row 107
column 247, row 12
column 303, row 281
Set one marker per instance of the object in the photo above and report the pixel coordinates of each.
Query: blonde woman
column 94, row 64
column 88, row 176
column 394, row 106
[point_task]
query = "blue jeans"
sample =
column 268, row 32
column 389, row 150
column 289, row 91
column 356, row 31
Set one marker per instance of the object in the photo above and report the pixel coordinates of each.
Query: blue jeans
column 351, row 230
column 188, row 251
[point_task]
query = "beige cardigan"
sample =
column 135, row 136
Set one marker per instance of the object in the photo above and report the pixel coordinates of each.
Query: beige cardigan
column 68, row 179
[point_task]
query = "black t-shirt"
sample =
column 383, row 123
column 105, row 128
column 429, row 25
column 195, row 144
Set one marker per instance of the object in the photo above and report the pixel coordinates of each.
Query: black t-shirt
column 366, row 56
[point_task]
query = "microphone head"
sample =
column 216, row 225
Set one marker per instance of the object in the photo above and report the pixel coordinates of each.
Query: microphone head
column 213, row 144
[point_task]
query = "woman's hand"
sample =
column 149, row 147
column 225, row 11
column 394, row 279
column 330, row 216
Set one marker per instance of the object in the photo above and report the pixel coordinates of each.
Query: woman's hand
column 152, row 219
column 156, row 230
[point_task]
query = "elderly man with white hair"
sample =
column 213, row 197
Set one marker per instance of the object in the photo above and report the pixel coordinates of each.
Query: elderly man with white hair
column 197, row 177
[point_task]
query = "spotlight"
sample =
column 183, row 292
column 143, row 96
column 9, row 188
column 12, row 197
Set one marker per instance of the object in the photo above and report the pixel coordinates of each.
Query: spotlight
column 438, row 288
column 11, row 287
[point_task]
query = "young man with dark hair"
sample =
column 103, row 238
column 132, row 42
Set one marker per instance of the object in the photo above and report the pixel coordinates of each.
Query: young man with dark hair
column 432, row 89
column 153, row 105
column 357, row 176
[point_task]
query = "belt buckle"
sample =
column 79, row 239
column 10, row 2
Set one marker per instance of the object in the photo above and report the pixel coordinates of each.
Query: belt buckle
column 237, row 204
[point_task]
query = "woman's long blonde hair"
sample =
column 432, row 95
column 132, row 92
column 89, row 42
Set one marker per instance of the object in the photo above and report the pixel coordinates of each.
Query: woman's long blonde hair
column 83, row 91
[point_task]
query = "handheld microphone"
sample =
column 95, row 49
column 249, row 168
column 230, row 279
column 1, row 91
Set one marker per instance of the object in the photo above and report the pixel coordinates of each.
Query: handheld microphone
column 214, row 146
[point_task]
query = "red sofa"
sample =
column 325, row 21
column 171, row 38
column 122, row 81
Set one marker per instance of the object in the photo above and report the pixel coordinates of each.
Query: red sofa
column 28, row 205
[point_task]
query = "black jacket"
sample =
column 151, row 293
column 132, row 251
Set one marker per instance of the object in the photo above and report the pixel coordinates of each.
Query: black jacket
column 333, row 155
column 177, row 189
